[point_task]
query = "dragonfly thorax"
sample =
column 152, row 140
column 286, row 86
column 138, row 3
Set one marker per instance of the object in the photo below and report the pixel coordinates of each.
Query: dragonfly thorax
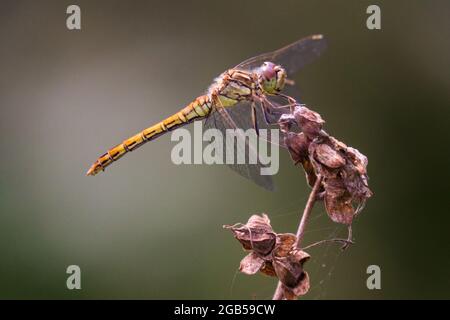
column 271, row 77
column 235, row 85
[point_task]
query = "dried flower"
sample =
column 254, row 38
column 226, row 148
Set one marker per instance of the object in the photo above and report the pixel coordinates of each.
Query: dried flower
column 289, row 270
column 310, row 122
column 338, row 175
column 272, row 254
column 343, row 169
column 344, row 177
column 256, row 235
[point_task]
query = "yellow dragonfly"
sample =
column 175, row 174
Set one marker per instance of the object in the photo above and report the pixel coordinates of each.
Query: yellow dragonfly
column 246, row 96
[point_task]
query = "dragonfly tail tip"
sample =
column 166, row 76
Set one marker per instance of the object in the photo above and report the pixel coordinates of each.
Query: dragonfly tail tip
column 91, row 171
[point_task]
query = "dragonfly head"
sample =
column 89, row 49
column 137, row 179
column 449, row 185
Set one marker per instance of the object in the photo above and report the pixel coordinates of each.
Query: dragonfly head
column 272, row 77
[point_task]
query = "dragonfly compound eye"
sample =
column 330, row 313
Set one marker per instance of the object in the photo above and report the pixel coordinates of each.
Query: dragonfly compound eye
column 268, row 71
column 268, row 77
column 273, row 77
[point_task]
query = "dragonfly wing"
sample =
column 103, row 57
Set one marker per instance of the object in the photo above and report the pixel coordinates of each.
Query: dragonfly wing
column 242, row 116
column 241, row 144
column 292, row 57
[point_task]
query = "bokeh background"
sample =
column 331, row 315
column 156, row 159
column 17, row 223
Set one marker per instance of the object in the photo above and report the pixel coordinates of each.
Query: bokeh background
column 148, row 229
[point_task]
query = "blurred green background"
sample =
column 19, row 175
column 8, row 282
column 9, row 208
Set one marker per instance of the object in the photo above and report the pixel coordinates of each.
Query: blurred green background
column 150, row 229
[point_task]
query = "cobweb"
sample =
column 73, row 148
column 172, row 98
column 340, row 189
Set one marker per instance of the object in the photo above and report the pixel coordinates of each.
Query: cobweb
column 324, row 257
column 324, row 260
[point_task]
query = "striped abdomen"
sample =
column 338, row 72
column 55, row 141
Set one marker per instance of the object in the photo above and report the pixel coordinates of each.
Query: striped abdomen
column 198, row 109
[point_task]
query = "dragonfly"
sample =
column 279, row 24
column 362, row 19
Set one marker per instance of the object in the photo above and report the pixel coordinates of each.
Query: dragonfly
column 249, row 95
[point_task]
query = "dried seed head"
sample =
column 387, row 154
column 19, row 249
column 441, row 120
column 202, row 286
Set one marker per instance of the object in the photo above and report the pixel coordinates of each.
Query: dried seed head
column 272, row 254
column 309, row 122
column 344, row 172
column 289, row 270
column 343, row 169
column 257, row 234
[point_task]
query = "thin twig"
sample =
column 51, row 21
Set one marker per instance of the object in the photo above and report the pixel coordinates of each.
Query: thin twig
column 278, row 295
column 345, row 243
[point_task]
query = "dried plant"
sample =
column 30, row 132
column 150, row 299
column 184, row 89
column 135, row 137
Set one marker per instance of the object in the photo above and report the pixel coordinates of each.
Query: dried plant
column 338, row 176
column 273, row 254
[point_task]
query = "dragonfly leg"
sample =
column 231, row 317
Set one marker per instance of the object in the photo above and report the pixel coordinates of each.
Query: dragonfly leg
column 265, row 111
column 267, row 108
column 291, row 101
column 255, row 123
column 254, row 118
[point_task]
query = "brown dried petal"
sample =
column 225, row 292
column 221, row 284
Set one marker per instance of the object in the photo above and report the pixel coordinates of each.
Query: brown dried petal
column 301, row 256
column 303, row 114
column 256, row 235
column 260, row 222
column 288, row 294
column 301, row 289
column 288, row 272
column 357, row 187
column 268, row 269
column 297, row 145
column 338, row 145
column 284, row 244
column 329, row 157
column 359, row 160
column 344, row 177
column 338, row 203
column 251, row 264
column 310, row 122
column 310, row 174
column 289, row 269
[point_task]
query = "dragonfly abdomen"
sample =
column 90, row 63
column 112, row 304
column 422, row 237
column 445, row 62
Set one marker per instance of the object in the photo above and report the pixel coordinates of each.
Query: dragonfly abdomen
column 198, row 109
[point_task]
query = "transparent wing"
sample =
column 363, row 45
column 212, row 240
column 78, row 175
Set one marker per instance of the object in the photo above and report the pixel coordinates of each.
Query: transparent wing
column 277, row 107
column 292, row 57
column 242, row 116
column 243, row 145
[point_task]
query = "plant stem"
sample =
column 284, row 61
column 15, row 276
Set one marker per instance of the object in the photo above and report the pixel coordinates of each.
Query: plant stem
column 278, row 295
column 344, row 242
